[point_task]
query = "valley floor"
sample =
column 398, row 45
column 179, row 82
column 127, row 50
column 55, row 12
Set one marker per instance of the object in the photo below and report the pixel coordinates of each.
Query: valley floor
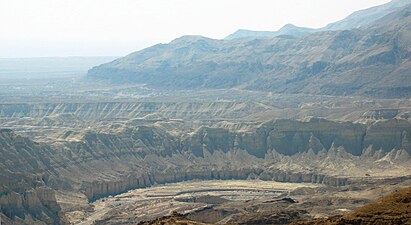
column 228, row 202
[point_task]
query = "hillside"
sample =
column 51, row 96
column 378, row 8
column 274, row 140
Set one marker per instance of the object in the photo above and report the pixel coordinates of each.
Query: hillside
column 373, row 60
column 392, row 209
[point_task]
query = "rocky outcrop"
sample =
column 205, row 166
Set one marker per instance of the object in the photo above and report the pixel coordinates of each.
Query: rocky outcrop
column 392, row 134
column 23, row 180
column 40, row 204
column 289, row 137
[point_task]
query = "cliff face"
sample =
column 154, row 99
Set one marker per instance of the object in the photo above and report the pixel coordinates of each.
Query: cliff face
column 147, row 155
column 39, row 204
column 389, row 134
column 103, row 163
column 289, row 137
column 24, row 195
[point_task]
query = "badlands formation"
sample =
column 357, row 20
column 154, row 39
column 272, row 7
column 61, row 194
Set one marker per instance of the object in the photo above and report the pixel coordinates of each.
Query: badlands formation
column 303, row 126
column 62, row 159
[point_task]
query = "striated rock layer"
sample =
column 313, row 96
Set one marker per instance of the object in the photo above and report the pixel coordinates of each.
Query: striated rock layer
column 103, row 163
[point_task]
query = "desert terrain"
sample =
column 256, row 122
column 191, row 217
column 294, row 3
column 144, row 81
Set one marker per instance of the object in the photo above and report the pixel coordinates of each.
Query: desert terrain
column 296, row 126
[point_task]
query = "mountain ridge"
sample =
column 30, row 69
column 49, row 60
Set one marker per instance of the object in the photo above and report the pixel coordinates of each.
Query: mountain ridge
column 354, row 20
column 288, row 29
column 373, row 60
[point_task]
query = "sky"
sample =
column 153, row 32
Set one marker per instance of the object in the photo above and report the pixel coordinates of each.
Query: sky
column 50, row 28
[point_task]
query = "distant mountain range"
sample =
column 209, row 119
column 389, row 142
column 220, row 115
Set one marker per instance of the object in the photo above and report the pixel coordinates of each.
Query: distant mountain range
column 373, row 60
column 355, row 20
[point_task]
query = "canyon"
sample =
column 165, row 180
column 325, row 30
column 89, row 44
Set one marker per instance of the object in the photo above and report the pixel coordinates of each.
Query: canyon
column 297, row 126
column 117, row 155
column 61, row 157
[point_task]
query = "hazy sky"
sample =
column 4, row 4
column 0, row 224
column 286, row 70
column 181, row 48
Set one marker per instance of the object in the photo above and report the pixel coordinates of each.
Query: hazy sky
column 31, row 28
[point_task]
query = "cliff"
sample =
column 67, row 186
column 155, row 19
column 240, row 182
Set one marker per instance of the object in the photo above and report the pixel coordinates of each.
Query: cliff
column 25, row 167
column 109, row 162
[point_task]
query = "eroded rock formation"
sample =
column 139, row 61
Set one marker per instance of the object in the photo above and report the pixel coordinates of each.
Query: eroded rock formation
column 101, row 163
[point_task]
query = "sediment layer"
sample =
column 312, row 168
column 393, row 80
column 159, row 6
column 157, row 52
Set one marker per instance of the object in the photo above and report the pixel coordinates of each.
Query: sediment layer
column 105, row 163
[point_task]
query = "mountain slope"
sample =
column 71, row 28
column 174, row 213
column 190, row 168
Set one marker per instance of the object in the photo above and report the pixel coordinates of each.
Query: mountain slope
column 392, row 209
column 373, row 60
column 367, row 16
column 355, row 20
